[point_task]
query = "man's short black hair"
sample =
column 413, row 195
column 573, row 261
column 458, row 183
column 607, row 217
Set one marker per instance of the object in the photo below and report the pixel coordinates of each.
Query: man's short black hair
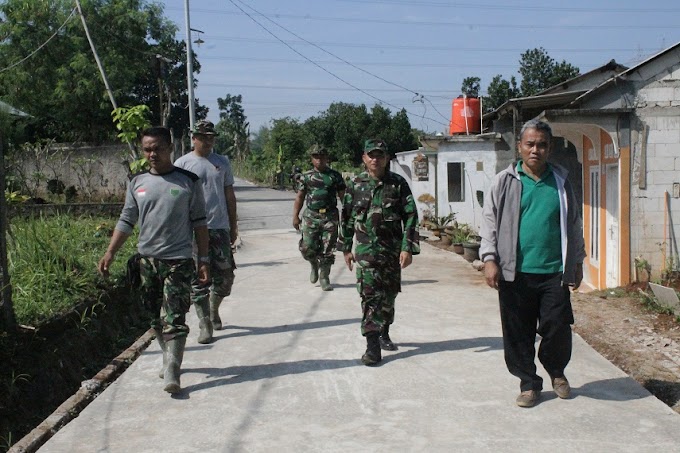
column 158, row 132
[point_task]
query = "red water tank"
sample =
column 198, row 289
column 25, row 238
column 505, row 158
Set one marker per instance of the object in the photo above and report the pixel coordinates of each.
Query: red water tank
column 465, row 116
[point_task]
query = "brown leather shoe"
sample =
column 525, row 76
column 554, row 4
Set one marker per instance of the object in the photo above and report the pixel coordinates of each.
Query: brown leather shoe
column 561, row 387
column 528, row 398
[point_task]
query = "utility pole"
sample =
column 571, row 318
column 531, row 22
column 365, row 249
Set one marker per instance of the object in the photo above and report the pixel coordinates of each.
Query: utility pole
column 190, row 68
column 96, row 57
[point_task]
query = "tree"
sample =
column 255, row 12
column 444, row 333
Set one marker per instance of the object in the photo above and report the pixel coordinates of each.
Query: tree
column 500, row 91
column 233, row 128
column 60, row 86
column 400, row 136
column 470, row 87
column 346, row 126
column 540, row 71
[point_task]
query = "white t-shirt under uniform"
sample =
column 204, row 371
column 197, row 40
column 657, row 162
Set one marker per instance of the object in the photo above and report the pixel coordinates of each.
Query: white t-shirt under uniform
column 215, row 174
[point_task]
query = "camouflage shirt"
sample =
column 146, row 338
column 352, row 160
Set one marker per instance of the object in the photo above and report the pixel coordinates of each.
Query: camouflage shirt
column 321, row 188
column 383, row 215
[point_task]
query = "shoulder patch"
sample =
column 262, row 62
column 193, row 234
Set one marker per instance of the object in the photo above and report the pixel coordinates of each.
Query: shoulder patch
column 187, row 173
column 139, row 173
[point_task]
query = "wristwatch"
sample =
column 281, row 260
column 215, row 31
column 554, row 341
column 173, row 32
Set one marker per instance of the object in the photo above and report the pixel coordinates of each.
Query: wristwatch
column 204, row 259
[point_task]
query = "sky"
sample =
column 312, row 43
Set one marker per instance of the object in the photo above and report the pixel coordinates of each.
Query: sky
column 293, row 58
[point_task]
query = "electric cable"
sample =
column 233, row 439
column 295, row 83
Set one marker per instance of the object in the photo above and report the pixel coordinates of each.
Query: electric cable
column 316, row 64
column 42, row 45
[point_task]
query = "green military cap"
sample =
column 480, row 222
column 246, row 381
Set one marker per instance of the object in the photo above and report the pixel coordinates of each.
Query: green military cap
column 317, row 149
column 204, row 127
column 373, row 144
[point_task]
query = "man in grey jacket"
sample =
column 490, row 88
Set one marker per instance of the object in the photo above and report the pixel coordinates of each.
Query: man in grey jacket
column 533, row 250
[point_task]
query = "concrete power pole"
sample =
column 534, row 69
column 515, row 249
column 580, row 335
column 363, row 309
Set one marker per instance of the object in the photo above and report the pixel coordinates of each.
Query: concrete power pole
column 190, row 68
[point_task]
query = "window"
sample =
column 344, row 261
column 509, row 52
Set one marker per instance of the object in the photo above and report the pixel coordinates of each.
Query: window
column 456, row 173
column 594, row 215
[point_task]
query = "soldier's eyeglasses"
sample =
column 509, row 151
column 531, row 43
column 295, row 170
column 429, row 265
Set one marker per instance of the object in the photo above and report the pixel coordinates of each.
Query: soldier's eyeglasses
column 376, row 155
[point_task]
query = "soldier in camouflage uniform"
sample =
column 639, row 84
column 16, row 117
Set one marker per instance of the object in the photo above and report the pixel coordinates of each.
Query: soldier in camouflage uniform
column 168, row 204
column 319, row 188
column 379, row 208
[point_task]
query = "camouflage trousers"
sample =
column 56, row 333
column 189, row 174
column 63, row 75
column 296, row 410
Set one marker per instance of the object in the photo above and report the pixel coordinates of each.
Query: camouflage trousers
column 166, row 289
column 378, row 288
column 319, row 235
column 222, row 267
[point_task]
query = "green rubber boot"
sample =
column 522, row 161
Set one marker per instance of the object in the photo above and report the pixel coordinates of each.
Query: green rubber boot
column 161, row 343
column 205, row 335
column 314, row 274
column 215, row 319
column 175, row 355
column 324, row 277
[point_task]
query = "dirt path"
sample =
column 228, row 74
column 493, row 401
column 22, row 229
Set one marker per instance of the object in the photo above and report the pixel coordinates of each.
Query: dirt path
column 642, row 342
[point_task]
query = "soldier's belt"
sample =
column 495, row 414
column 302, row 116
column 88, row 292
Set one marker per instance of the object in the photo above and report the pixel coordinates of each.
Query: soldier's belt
column 322, row 210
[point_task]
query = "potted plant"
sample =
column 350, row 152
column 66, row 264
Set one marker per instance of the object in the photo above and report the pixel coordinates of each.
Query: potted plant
column 459, row 237
column 471, row 250
column 428, row 216
column 461, row 233
column 441, row 223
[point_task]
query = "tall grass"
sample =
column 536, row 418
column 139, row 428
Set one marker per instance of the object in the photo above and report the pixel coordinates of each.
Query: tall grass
column 52, row 263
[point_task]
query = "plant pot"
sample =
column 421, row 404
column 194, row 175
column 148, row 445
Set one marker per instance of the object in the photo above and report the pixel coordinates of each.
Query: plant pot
column 445, row 239
column 471, row 251
column 458, row 248
column 437, row 232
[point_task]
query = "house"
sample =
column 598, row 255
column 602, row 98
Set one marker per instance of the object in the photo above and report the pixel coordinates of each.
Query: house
column 455, row 170
column 617, row 130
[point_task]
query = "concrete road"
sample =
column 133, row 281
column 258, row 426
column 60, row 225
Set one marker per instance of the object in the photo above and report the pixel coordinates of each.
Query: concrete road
column 285, row 373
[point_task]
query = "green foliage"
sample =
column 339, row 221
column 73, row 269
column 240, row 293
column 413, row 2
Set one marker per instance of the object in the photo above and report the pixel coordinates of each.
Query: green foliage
column 15, row 196
column 53, row 261
column 500, row 91
column 61, row 86
column 444, row 221
column 130, row 121
column 470, row 87
column 539, row 71
column 462, row 232
column 233, row 128
column 139, row 165
column 342, row 129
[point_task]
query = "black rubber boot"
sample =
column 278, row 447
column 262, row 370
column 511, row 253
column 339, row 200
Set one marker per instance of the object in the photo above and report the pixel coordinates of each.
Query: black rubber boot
column 385, row 340
column 372, row 355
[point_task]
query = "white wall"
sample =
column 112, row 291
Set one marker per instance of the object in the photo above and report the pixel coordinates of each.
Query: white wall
column 96, row 172
column 469, row 152
column 656, row 103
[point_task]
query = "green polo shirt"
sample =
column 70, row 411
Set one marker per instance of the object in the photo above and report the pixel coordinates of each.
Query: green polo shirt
column 539, row 245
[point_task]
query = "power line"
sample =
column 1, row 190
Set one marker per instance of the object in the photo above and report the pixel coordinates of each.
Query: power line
column 468, row 25
column 375, row 63
column 436, row 48
column 482, row 6
column 41, row 45
column 312, row 88
column 358, row 68
column 316, row 64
